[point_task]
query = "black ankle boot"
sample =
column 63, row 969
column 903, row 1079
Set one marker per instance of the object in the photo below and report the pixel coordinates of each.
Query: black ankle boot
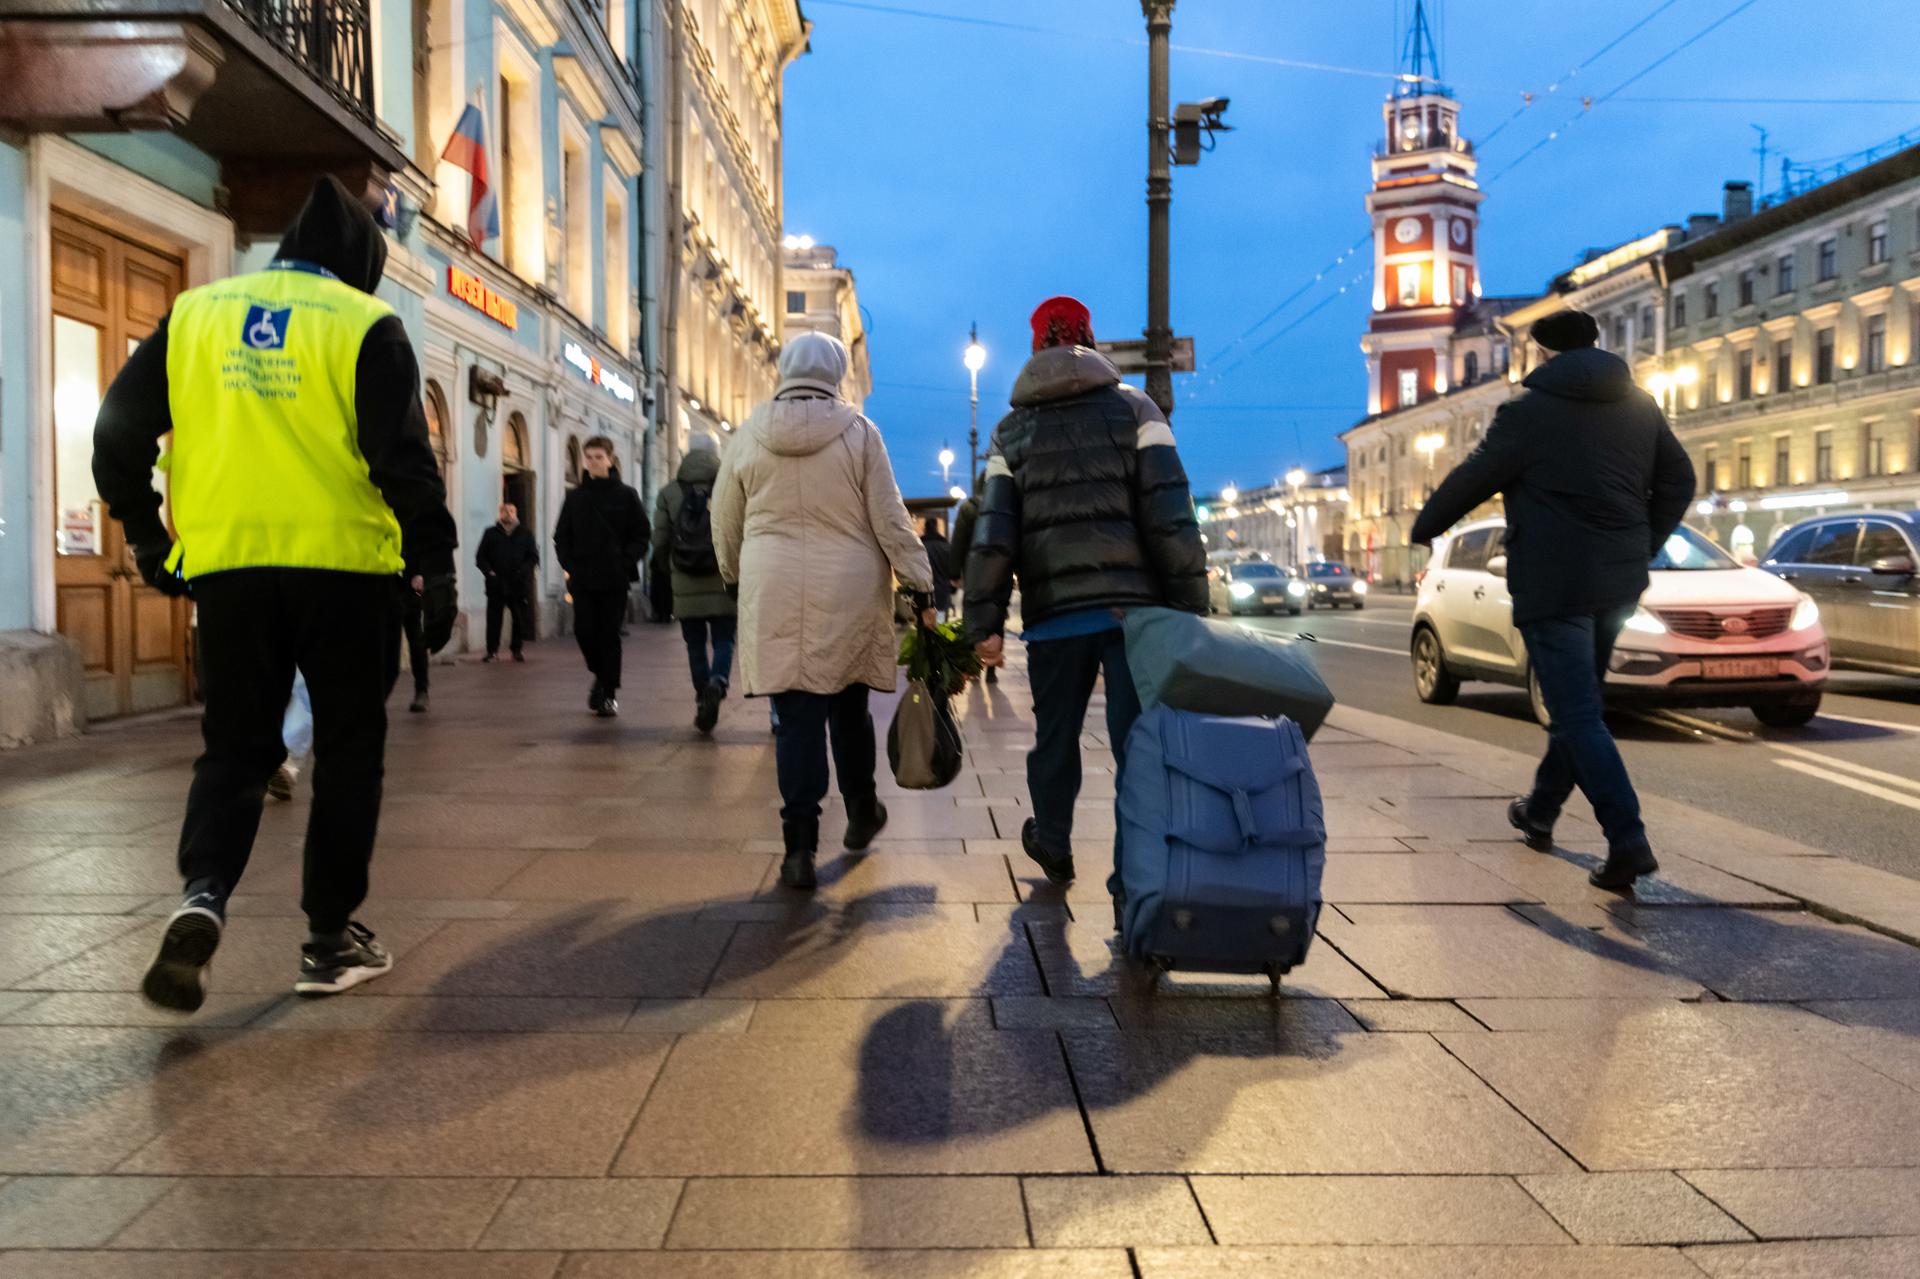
column 1535, row 836
column 865, row 820
column 1623, row 866
column 802, row 838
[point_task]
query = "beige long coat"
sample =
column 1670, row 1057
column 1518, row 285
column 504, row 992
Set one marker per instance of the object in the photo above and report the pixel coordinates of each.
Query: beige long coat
column 807, row 518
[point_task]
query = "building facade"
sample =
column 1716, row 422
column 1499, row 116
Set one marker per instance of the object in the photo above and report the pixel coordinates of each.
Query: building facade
column 1792, row 367
column 142, row 153
column 1300, row 519
column 821, row 298
column 720, row 65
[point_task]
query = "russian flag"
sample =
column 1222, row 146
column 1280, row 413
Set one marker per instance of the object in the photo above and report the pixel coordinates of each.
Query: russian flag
column 467, row 149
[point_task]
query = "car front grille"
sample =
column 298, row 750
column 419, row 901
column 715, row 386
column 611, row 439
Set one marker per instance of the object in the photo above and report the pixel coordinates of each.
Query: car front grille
column 1706, row 624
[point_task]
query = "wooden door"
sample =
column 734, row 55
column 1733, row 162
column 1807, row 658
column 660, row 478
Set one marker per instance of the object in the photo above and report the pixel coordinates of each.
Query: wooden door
column 109, row 293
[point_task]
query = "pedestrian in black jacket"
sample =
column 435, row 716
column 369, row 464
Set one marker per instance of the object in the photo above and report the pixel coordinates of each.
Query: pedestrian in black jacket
column 940, row 557
column 1087, row 506
column 508, row 558
column 601, row 535
column 964, row 522
column 1595, row 483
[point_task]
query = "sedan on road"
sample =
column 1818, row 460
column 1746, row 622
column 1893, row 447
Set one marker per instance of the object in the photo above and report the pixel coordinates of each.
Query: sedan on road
column 1708, row 632
column 1864, row 572
column 1259, row 587
column 1332, row 585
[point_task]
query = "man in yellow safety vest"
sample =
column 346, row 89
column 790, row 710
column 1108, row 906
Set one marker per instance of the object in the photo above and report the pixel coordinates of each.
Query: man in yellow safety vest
column 304, row 499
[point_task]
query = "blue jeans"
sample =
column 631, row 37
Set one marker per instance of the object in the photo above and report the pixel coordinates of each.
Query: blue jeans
column 1062, row 672
column 696, row 631
column 1570, row 656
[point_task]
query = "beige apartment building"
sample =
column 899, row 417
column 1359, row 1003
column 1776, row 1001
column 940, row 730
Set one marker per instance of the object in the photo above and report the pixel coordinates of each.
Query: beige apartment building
column 821, row 298
column 1791, row 367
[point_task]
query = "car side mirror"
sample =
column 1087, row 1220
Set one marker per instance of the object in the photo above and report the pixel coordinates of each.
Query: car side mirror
column 1893, row 566
column 1497, row 566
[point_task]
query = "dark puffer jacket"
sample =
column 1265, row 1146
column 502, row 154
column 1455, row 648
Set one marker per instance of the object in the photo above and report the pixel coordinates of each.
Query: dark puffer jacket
column 601, row 534
column 1595, row 483
column 1086, row 501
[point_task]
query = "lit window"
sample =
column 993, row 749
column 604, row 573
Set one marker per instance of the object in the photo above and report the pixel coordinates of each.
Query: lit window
column 1459, row 286
column 1409, row 388
column 1409, row 286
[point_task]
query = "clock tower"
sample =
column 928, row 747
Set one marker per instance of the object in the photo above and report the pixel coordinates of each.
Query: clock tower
column 1425, row 205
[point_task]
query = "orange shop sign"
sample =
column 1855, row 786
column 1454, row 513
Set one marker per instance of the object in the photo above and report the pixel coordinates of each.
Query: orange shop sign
column 472, row 290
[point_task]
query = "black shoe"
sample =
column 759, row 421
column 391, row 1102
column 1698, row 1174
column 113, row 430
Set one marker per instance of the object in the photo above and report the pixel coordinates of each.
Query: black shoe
column 706, row 707
column 177, row 978
column 609, row 707
column 865, row 820
column 331, row 970
column 1623, row 866
column 1059, row 870
column 802, row 839
column 491, row 657
column 419, row 703
column 518, row 656
column 595, row 696
column 1535, row 836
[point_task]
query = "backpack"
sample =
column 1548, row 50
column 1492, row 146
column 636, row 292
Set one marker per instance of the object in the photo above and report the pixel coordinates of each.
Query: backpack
column 693, row 552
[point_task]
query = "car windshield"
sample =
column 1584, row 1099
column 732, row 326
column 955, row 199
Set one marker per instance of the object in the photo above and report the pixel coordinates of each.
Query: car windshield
column 1327, row 570
column 1687, row 551
column 1250, row 571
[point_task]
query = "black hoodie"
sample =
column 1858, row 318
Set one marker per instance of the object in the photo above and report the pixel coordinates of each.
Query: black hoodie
column 336, row 232
column 1594, row 482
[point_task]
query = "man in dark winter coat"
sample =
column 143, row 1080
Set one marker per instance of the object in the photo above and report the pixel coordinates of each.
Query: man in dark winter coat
column 940, row 557
column 1087, row 506
column 508, row 558
column 305, row 498
column 1595, row 483
column 684, row 555
column 600, row 537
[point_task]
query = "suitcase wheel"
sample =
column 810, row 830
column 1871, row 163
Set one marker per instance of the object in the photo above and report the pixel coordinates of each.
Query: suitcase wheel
column 1274, row 973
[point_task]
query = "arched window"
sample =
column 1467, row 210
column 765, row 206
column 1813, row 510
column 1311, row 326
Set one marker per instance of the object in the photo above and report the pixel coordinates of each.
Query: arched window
column 574, row 468
column 438, row 421
column 513, row 447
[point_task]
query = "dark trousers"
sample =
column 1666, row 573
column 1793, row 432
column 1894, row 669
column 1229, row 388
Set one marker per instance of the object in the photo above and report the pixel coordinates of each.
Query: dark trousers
column 1062, row 673
column 597, row 614
column 697, row 632
column 514, row 602
column 805, row 723
column 413, row 623
column 342, row 631
column 1570, row 655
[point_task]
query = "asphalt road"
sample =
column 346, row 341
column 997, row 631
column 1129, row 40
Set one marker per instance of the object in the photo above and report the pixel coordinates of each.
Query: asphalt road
column 1848, row 783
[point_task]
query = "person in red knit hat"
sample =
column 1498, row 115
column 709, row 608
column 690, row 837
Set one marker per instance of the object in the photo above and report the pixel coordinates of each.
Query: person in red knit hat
column 1062, row 321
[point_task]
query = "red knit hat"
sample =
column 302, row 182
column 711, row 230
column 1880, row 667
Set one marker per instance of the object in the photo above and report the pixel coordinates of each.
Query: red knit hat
column 1062, row 321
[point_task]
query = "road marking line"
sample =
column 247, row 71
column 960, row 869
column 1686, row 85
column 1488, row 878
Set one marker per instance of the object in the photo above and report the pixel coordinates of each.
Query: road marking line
column 1370, row 648
column 1798, row 752
column 1872, row 723
column 1840, row 779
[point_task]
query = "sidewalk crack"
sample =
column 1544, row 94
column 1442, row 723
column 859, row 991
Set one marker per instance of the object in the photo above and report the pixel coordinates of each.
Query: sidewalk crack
column 1086, row 1117
column 1524, row 1116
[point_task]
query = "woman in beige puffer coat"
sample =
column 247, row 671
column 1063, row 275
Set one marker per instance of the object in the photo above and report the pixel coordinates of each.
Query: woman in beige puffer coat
column 807, row 518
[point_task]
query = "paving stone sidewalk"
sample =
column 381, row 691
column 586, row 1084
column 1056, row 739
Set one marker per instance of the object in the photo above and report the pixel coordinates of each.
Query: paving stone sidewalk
column 612, row 1046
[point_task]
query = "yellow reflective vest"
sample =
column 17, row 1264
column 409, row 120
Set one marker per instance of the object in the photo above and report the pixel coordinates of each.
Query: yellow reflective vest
column 266, row 463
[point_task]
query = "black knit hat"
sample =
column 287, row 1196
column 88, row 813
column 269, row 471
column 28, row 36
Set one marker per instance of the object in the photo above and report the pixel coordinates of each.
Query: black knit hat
column 1566, row 331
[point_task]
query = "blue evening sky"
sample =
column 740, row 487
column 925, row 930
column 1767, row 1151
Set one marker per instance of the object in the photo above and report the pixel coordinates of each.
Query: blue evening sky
column 966, row 169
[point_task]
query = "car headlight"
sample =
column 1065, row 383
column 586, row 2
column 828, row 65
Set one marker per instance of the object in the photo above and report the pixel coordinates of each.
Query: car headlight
column 1805, row 613
column 1241, row 590
column 1359, row 587
column 1646, row 623
column 1296, row 588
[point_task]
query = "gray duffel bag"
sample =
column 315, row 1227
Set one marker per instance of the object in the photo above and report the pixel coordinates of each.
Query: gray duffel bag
column 1217, row 668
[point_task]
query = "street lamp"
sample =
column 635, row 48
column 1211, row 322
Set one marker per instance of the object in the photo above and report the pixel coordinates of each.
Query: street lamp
column 1229, row 496
column 1295, row 478
column 975, row 358
column 946, row 465
column 957, row 493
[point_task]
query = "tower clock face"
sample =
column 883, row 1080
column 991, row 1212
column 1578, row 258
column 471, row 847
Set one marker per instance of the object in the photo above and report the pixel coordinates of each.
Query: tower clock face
column 1459, row 232
column 1406, row 230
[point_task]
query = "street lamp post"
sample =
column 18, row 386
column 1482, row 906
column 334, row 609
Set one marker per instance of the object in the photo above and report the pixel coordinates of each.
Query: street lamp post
column 1159, row 15
column 975, row 358
column 946, row 465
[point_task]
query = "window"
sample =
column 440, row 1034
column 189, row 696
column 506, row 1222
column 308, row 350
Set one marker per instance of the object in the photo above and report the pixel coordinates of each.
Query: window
column 1409, row 286
column 1713, row 385
column 1823, row 455
column 617, row 27
column 1460, row 286
column 1743, row 373
column 576, row 216
column 1829, row 259
column 1783, row 365
column 617, row 247
column 1710, row 468
column 1882, row 542
column 1403, row 446
column 1646, row 323
column 1472, row 369
column 1471, row 550
column 1747, row 280
column 1876, row 343
column 574, row 465
column 796, row 302
column 1679, row 310
column 1743, row 466
column 1409, row 394
column 1782, row 461
column 435, row 402
column 1877, row 242
column 1710, row 301
column 1783, row 274
column 1383, row 454
column 1876, row 450
column 1792, row 548
column 522, row 201
column 1823, row 356
column 1620, row 333
column 1833, row 543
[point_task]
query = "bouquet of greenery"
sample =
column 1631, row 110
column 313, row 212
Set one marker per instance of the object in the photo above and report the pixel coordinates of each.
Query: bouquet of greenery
column 940, row 657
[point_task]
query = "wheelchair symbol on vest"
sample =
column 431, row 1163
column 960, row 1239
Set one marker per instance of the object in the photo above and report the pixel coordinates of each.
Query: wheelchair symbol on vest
column 265, row 330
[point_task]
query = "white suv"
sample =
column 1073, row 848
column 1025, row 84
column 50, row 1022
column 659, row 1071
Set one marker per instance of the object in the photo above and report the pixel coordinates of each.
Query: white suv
column 1708, row 632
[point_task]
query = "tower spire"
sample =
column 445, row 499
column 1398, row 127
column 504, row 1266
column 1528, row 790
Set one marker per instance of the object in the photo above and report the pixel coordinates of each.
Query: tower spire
column 1420, row 56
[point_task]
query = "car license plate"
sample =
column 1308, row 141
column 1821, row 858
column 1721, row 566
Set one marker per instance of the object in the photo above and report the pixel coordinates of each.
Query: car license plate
column 1273, row 599
column 1741, row 668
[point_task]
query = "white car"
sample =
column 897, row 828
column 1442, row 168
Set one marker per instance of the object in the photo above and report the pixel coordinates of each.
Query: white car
column 1708, row 632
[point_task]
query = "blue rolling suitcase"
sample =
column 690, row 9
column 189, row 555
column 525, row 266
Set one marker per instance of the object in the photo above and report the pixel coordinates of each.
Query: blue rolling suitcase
column 1222, row 842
